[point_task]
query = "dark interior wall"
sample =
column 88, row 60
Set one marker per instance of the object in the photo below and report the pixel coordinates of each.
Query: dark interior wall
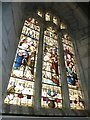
column 84, row 6
column 12, row 21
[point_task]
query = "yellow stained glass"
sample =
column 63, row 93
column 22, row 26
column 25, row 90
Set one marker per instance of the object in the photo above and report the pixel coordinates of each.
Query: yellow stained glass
column 76, row 98
column 21, row 83
column 51, row 84
column 39, row 13
column 55, row 20
column 47, row 17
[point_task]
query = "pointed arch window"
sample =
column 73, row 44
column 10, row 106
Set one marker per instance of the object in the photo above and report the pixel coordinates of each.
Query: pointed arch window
column 51, row 84
column 75, row 93
column 20, row 89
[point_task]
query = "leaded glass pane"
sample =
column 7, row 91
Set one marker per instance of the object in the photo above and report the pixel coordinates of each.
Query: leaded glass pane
column 47, row 17
column 76, row 98
column 55, row 20
column 51, row 87
column 21, row 83
column 39, row 13
column 63, row 26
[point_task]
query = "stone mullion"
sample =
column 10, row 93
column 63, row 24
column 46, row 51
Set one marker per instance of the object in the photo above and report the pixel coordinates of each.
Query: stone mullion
column 38, row 76
column 65, row 91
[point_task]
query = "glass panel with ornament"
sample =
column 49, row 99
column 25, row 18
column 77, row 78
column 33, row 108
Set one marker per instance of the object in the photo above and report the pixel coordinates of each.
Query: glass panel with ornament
column 47, row 17
column 39, row 13
column 62, row 25
column 55, row 20
column 51, row 84
column 21, row 83
column 76, row 98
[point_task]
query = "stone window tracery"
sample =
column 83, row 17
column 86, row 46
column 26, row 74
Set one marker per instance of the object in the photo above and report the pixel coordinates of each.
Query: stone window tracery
column 20, row 90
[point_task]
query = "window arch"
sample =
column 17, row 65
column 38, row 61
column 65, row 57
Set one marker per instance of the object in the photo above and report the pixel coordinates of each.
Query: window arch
column 76, row 98
column 20, row 89
column 51, row 84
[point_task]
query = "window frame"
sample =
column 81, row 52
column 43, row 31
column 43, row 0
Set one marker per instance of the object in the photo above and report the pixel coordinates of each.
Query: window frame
column 18, row 110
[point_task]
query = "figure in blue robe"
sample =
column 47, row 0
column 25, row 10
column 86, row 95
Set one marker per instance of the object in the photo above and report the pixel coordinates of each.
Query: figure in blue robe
column 18, row 61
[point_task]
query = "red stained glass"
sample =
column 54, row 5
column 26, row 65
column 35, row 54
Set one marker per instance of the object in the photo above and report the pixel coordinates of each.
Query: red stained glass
column 24, row 66
column 20, row 95
column 55, row 100
column 75, row 101
column 59, row 100
column 28, row 96
column 44, row 98
column 51, row 71
column 72, row 73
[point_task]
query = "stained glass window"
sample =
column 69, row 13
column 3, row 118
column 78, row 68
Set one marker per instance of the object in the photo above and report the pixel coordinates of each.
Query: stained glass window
column 20, row 90
column 47, row 17
column 76, row 98
column 51, row 84
column 21, row 84
column 55, row 20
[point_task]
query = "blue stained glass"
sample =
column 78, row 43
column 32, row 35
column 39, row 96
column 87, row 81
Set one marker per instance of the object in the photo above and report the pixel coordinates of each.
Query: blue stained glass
column 51, row 95
column 21, row 84
column 72, row 75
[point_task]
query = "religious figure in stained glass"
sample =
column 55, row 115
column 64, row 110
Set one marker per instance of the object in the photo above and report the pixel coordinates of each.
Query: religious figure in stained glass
column 21, row 84
column 76, row 99
column 51, row 95
column 20, row 90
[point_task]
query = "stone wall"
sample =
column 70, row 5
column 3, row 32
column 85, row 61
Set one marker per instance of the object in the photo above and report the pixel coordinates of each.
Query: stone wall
column 81, row 49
